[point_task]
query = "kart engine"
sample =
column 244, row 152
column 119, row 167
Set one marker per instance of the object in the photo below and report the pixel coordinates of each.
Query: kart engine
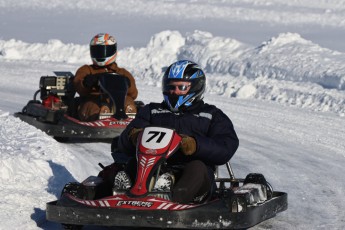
column 57, row 89
column 55, row 85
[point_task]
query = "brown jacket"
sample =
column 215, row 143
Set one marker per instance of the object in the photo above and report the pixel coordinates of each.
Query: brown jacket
column 85, row 70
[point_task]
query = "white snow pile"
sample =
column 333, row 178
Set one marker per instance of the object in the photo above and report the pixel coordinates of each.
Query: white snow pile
column 26, row 166
column 287, row 69
column 54, row 50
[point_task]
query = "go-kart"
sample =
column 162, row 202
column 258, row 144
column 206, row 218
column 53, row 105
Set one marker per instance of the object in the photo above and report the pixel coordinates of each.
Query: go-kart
column 56, row 111
column 235, row 203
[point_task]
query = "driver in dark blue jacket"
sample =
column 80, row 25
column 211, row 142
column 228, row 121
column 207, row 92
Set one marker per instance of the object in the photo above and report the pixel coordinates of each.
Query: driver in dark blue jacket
column 208, row 135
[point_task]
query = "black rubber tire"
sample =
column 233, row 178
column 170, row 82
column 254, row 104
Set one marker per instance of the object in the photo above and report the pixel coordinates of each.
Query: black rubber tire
column 62, row 139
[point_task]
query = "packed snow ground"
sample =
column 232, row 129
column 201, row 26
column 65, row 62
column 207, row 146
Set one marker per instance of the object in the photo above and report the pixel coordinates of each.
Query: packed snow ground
column 284, row 93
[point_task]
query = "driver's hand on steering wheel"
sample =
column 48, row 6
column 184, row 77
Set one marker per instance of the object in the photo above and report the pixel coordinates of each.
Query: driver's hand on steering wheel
column 188, row 145
column 90, row 81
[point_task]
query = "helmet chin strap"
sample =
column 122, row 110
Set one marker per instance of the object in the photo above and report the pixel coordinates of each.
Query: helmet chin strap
column 191, row 100
column 178, row 103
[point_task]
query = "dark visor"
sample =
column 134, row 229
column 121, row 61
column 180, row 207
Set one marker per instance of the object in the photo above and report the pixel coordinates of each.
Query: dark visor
column 99, row 51
column 167, row 86
column 180, row 87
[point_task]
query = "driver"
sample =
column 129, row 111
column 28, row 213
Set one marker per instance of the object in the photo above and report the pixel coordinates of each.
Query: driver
column 103, row 51
column 208, row 135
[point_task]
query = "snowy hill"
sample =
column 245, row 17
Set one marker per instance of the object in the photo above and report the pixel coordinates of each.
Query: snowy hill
column 300, row 72
column 284, row 94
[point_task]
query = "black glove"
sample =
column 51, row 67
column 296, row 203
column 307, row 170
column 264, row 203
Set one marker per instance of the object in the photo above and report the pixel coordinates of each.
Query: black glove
column 90, row 81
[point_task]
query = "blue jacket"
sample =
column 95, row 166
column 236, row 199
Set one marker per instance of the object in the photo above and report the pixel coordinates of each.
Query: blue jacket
column 213, row 131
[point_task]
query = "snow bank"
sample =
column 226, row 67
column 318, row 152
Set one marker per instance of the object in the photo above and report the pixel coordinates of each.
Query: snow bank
column 287, row 69
column 54, row 51
column 26, row 166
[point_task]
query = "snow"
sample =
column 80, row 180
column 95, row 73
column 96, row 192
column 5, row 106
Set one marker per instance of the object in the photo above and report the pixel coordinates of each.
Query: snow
column 275, row 68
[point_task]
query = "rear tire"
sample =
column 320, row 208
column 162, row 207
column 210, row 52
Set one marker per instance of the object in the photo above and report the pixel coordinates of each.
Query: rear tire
column 258, row 178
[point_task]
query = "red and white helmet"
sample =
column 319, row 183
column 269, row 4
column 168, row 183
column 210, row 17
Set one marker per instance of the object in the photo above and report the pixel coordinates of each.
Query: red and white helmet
column 103, row 49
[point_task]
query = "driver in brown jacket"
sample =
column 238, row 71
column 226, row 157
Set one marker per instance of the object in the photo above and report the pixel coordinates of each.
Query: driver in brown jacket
column 103, row 51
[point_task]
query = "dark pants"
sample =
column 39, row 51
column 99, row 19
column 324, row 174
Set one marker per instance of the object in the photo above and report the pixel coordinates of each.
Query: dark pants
column 89, row 108
column 195, row 181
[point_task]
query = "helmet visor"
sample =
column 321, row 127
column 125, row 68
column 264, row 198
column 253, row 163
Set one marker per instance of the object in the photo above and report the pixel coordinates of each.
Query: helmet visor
column 168, row 85
column 100, row 51
column 182, row 87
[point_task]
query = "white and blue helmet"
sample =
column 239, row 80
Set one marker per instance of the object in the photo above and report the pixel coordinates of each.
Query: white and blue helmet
column 183, row 70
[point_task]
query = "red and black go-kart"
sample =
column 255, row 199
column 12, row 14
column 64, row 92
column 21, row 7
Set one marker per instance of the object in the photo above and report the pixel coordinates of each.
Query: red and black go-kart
column 235, row 204
column 56, row 112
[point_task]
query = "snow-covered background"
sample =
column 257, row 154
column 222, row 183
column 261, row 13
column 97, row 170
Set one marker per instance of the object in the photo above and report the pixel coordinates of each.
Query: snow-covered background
column 275, row 67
